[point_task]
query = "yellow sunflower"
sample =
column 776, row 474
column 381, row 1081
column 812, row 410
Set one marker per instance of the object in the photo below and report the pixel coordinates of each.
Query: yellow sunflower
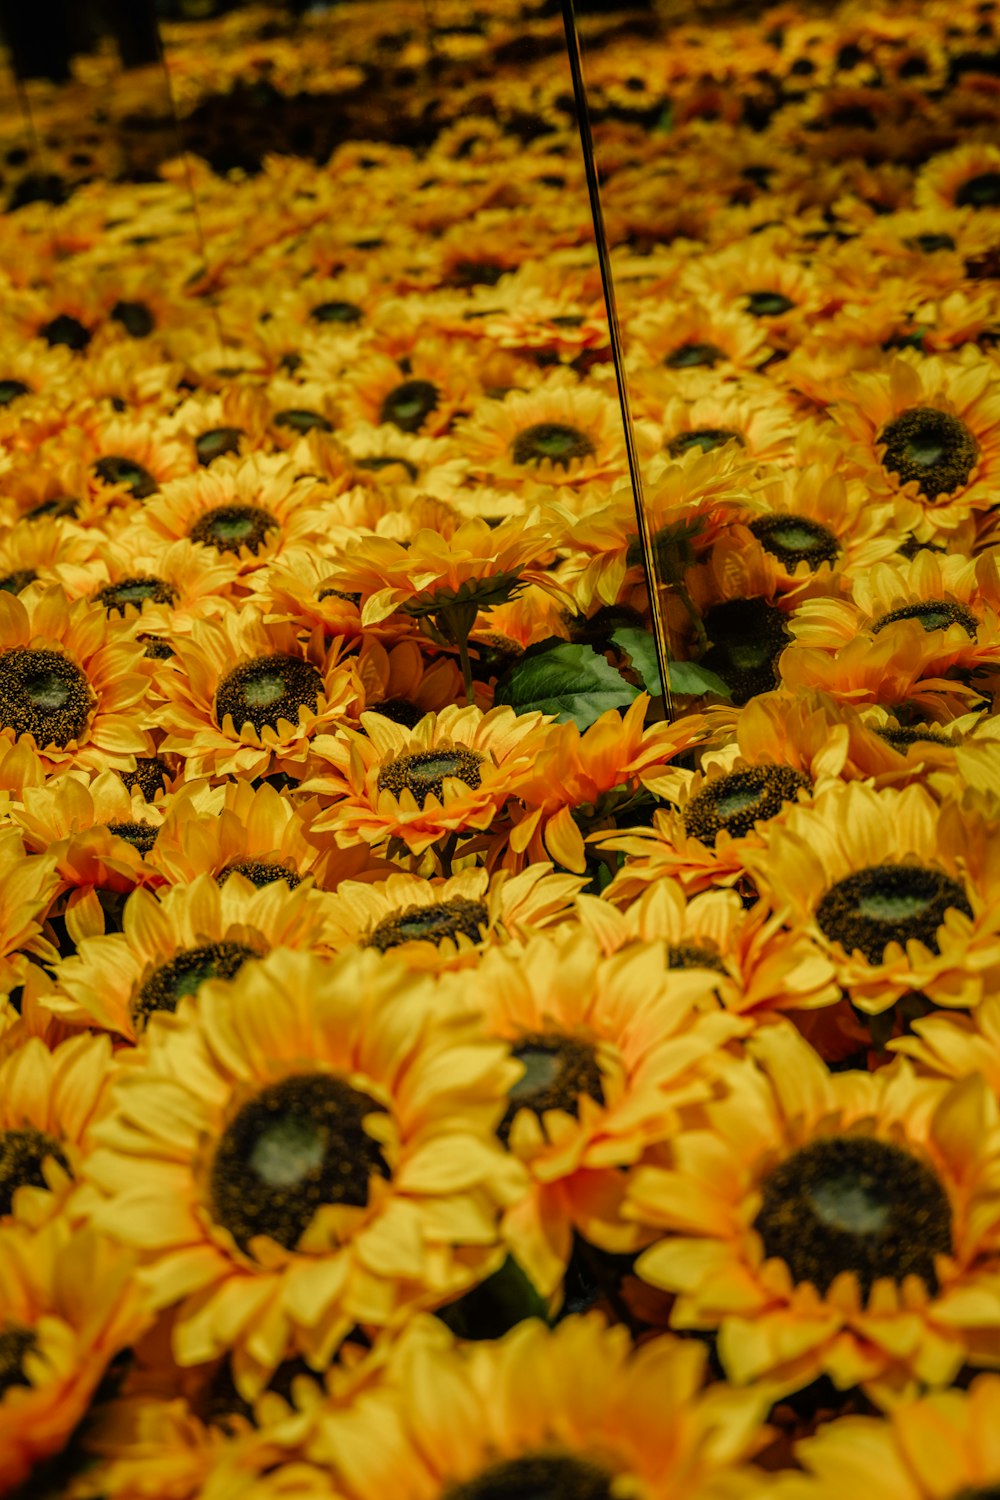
column 403, row 684
column 55, row 550
column 941, row 1444
column 70, row 1303
column 574, row 1410
column 308, row 1148
column 967, row 177
column 447, row 924
column 169, row 948
column 165, row 587
column 422, row 393
column 609, row 1049
column 895, row 669
column 754, row 415
column 685, row 336
column 561, row 435
column 28, row 886
column 68, row 681
column 901, row 893
column 49, row 1101
column 451, row 774
column 250, row 699
column 237, row 829
column 844, row 1224
column 128, row 460
column 929, row 431
column 947, row 1045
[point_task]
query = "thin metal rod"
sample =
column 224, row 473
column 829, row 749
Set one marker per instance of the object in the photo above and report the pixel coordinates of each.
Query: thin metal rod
column 614, row 326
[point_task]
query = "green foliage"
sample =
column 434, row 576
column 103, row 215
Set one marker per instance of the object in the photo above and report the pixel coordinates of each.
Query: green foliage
column 573, row 682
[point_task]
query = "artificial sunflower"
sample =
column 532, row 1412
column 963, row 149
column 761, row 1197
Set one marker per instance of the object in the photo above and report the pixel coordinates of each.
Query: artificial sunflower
column 561, row 435
column 445, row 924
column 238, row 829
column 28, row 886
column 967, row 177
column 609, row 1050
column 451, row 775
column 845, row 1224
column 168, row 948
column 309, row 1147
column 899, row 891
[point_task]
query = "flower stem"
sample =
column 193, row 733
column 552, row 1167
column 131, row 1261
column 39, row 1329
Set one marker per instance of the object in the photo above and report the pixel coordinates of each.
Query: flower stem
column 696, row 620
column 455, row 621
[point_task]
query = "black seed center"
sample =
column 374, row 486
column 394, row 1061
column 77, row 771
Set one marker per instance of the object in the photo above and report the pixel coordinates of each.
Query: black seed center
column 885, row 904
column 557, row 1070
column 150, row 775
column 539, row 1476
column 705, row 438
column 737, row 801
column 399, row 710
column 215, row 442
column 854, row 1203
column 981, row 191
column 21, row 1155
column 116, row 597
column 694, row 956
column 767, row 304
column 410, row 404
column 690, row 356
column 299, row 420
column 933, row 614
column 14, row 582
column 794, row 539
column 228, row 528
column 11, row 389
column 425, row 773
column 901, row 737
column 117, row 470
column 265, row 691
column 45, row 695
column 747, row 637
column 931, row 447
column 336, row 312
column 185, row 973
column 385, row 461
column 297, row 1145
column 554, row 442
column 66, row 330
column 431, row 924
column 15, row 1344
column 258, row 872
column 141, row 836
column 135, row 317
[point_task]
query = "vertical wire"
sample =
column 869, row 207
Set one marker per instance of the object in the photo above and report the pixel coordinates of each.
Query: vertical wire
column 607, row 279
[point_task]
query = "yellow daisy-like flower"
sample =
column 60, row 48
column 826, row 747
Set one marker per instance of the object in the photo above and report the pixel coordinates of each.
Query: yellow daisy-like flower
column 28, row 885
column 560, row 435
column 70, row 683
column 697, row 336
column 574, row 1410
column 128, row 461
column 945, row 1443
column 448, row 924
column 69, row 1303
column 928, row 431
column 169, row 948
column 436, row 385
column 165, row 587
column 469, row 566
column 307, row 1148
column 967, row 177
column 238, row 829
column 253, row 509
column 609, row 1049
column 400, row 683
column 754, row 415
column 54, row 550
column 49, row 1101
column 840, row 1224
column 452, row 773
column 249, row 699
column 595, row 771
column 901, row 893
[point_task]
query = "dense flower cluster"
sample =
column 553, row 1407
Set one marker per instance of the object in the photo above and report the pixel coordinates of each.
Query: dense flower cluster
column 424, row 1068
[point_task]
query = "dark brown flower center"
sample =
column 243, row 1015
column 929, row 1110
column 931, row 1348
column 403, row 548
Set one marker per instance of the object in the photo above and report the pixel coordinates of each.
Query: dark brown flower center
column 981, row 191
column 553, row 442
column 536, row 1476
column 694, row 956
column 747, row 636
column 889, row 903
column 740, row 800
column 116, row 597
column 185, row 973
column 557, row 1070
column 300, row 420
column 902, row 736
column 22, row 1153
column 691, row 356
column 151, row 774
column 62, row 505
column 14, row 582
column 388, row 461
column 933, row 614
column 424, row 773
column 141, row 836
column 258, row 872
column 930, row 447
column 218, row 440
column 794, row 539
column 410, row 404
column 705, row 438
column 15, row 1344
column 854, row 1203
column 11, row 389
column 229, row 528
column 264, row 692
column 44, row 694
column 67, row 331
column 135, row 317
column 336, row 312
column 431, row 924
column 297, row 1145
column 117, row 470
column 399, row 710
column 767, row 304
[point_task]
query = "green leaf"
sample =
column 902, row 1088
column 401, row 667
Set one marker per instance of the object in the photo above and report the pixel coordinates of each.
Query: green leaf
column 690, row 679
column 572, row 681
column 640, row 648
column 494, row 1307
